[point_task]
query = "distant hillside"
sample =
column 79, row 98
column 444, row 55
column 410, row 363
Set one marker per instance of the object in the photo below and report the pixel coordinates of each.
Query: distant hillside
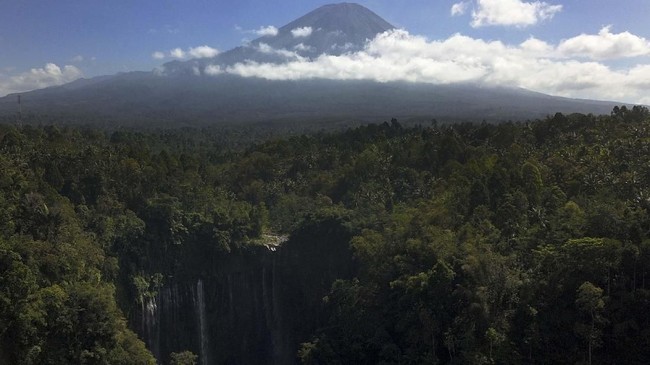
column 182, row 94
column 149, row 99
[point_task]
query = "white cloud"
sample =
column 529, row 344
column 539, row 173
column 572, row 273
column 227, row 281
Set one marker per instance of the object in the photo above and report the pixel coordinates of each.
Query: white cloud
column 38, row 78
column 537, row 47
column 399, row 56
column 459, row 8
column 512, row 12
column 203, row 52
column 268, row 31
column 345, row 47
column 640, row 77
column 193, row 52
column 177, row 53
column 213, row 70
column 77, row 59
column 303, row 47
column 605, row 45
column 266, row 49
column 602, row 46
column 301, row 32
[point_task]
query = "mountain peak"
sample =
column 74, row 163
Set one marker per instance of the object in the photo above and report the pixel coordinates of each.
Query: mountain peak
column 330, row 29
column 341, row 10
column 350, row 22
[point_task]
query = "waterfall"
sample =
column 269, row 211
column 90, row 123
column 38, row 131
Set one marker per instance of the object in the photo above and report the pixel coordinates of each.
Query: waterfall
column 233, row 315
column 272, row 315
column 150, row 324
column 203, row 336
column 278, row 334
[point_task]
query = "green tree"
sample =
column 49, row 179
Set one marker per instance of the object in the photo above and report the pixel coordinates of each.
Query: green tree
column 589, row 300
column 183, row 358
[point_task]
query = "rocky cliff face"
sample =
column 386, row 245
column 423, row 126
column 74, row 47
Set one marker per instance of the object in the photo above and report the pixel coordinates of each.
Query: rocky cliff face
column 232, row 318
column 253, row 307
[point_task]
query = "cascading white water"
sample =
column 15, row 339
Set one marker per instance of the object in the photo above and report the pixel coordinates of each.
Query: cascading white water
column 203, row 336
column 150, row 324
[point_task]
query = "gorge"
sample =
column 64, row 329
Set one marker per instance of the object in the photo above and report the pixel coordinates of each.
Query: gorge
column 252, row 306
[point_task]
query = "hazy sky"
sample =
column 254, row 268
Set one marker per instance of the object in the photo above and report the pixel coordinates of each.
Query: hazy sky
column 579, row 48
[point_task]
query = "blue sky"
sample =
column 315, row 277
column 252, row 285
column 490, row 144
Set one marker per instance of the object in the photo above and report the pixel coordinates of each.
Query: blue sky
column 47, row 43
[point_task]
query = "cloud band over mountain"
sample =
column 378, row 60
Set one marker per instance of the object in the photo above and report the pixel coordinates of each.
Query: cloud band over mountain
column 37, row 78
column 349, row 42
column 534, row 64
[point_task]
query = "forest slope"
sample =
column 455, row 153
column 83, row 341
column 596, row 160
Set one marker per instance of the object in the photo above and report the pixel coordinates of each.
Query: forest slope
column 472, row 243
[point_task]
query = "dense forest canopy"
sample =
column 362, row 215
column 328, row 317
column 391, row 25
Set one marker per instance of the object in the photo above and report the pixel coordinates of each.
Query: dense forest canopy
column 464, row 243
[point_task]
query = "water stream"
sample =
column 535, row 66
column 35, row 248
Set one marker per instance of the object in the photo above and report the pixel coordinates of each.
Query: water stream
column 203, row 325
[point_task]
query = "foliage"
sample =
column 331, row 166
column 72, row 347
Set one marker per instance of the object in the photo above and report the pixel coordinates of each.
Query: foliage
column 183, row 358
column 466, row 243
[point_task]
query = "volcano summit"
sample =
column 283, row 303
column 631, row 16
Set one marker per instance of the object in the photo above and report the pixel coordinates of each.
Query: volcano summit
column 329, row 30
column 250, row 83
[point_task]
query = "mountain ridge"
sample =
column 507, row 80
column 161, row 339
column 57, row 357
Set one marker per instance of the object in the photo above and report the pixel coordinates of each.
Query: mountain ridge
column 183, row 93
